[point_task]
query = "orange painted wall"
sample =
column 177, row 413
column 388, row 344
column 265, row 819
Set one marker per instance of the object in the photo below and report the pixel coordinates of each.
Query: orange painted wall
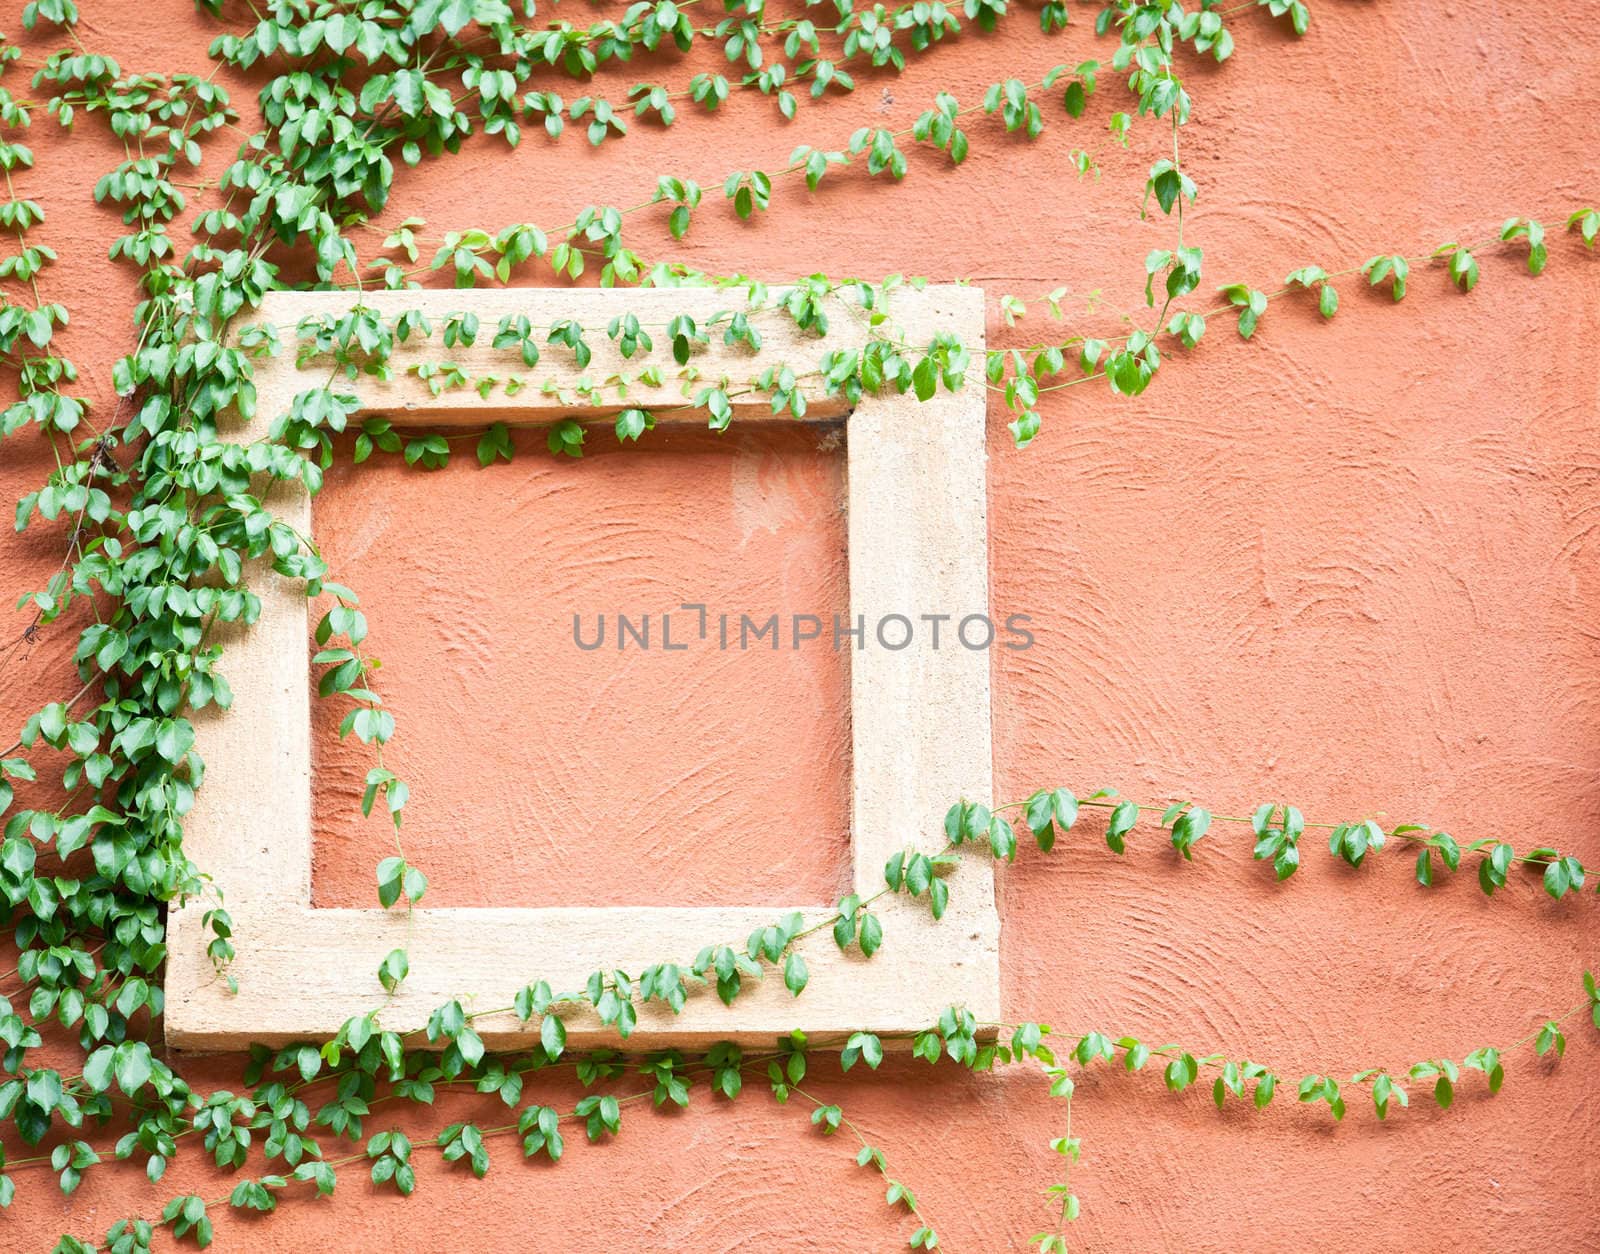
column 1352, row 566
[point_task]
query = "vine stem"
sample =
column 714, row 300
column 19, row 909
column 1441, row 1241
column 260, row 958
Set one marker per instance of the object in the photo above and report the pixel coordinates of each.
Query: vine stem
column 875, row 1157
column 1215, row 311
column 302, row 1086
column 975, row 373
column 67, row 704
column 1177, row 166
column 1479, row 847
column 569, row 231
column 745, row 1065
column 500, row 1130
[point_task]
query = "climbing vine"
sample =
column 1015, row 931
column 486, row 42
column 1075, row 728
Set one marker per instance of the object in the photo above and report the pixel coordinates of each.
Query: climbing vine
column 163, row 518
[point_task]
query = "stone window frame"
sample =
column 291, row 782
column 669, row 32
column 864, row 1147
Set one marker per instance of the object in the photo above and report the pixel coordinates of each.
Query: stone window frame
column 920, row 719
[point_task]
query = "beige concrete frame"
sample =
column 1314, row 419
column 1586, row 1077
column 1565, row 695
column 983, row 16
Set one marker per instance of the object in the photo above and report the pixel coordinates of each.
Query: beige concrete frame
column 918, row 538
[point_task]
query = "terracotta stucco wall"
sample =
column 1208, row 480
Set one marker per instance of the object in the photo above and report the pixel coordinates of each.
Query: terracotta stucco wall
column 1350, row 566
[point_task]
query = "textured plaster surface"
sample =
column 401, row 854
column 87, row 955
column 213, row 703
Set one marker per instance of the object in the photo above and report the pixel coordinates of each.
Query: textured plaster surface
column 589, row 791
column 1352, row 566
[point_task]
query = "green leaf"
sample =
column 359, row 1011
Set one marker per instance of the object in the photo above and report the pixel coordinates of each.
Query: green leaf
column 1002, row 838
column 553, row 1035
column 1188, row 828
column 133, row 1066
column 1066, row 808
column 390, row 872
column 632, row 423
column 1123, row 818
column 1040, row 816
column 871, row 934
column 795, row 975
column 456, row 15
column 98, row 1068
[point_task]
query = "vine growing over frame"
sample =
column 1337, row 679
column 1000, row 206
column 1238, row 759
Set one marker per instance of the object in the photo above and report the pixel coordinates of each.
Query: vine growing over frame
column 163, row 518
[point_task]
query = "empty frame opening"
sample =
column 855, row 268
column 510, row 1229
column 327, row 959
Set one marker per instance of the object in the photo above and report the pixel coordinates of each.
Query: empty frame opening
column 574, row 730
